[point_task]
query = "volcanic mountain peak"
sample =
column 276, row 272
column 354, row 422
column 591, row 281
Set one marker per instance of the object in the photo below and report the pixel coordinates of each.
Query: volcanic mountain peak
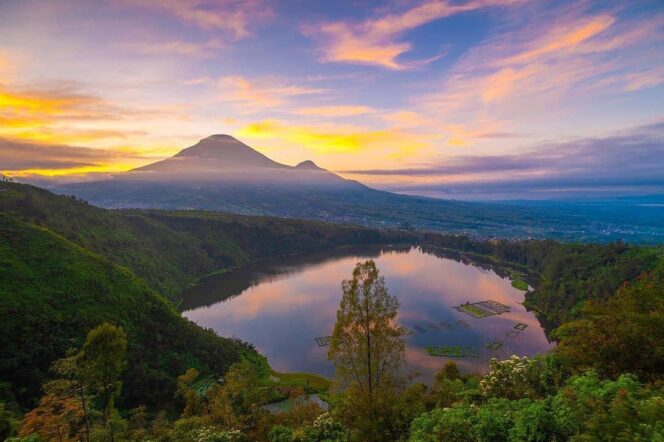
column 308, row 165
column 212, row 153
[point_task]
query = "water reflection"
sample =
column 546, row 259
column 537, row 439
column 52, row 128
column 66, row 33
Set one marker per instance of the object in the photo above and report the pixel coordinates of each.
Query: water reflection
column 282, row 306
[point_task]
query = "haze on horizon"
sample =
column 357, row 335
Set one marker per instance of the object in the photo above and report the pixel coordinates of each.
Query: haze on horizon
column 477, row 99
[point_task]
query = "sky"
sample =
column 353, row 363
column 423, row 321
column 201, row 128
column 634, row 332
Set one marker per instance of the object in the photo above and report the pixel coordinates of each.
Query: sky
column 475, row 99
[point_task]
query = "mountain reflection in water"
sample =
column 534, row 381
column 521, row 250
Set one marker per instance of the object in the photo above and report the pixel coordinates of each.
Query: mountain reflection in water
column 281, row 306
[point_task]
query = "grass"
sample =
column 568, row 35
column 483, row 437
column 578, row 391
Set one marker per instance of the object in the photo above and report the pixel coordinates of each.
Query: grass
column 453, row 351
column 311, row 383
column 518, row 280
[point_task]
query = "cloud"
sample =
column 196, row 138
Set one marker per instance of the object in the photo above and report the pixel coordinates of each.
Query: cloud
column 337, row 139
column 206, row 49
column 33, row 111
column 374, row 41
column 234, row 16
column 562, row 56
column 254, row 95
column 635, row 156
column 43, row 123
column 21, row 158
column 647, row 78
column 333, row 111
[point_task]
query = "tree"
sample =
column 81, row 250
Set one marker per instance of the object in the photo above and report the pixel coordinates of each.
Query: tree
column 101, row 361
column 236, row 402
column 55, row 418
column 518, row 378
column 71, row 384
column 444, row 424
column 622, row 334
column 193, row 405
column 367, row 347
column 8, row 422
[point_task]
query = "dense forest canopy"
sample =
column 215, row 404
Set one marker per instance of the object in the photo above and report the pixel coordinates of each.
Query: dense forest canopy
column 68, row 268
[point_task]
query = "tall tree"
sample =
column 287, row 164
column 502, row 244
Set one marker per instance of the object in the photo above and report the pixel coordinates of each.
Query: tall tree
column 55, row 418
column 367, row 346
column 70, row 383
column 102, row 361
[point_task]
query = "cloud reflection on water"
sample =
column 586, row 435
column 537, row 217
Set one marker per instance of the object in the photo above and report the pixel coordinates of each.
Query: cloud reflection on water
column 282, row 307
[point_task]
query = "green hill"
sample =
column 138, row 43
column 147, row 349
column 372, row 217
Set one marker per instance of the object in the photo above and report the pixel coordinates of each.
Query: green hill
column 170, row 249
column 54, row 291
column 67, row 266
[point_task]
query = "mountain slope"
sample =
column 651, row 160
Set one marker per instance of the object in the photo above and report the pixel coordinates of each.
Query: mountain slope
column 214, row 153
column 170, row 249
column 222, row 174
column 53, row 291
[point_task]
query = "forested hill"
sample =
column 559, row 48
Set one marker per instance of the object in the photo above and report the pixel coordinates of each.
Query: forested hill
column 53, row 291
column 563, row 275
column 67, row 266
column 170, row 249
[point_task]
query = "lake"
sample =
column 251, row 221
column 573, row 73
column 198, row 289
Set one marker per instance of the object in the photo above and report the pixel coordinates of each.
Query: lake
column 281, row 306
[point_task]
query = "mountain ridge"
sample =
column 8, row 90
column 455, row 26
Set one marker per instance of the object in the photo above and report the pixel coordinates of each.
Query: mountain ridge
column 222, row 174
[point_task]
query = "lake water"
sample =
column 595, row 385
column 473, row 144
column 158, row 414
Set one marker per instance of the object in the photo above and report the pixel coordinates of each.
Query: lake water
column 282, row 306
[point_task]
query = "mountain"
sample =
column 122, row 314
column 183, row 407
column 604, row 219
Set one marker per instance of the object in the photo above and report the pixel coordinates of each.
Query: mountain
column 222, row 159
column 222, row 174
column 211, row 155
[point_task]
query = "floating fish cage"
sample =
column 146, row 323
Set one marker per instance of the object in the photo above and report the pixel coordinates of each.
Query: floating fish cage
column 323, row 341
column 453, row 351
column 483, row 309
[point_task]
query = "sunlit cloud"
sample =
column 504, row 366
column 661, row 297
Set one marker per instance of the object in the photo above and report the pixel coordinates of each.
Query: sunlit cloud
column 564, row 38
column 333, row 111
column 149, row 78
column 637, row 153
column 374, row 41
column 32, row 110
column 24, row 158
column 335, row 139
column 564, row 59
column 253, row 95
column 205, row 49
column 234, row 16
column 644, row 79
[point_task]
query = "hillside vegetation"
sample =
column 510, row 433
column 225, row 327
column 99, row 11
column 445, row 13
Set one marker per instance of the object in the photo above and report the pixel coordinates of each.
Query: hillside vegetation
column 170, row 249
column 53, row 291
column 564, row 275
column 67, row 268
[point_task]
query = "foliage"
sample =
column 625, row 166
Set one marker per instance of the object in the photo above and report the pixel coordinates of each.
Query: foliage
column 186, row 390
column 55, row 418
column 52, row 292
column 326, row 429
column 66, row 267
column 448, row 424
column 516, row 378
column 367, row 347
column 102, row 361
column 623, row 334
column 8, row 422
column 210, row 434
column 311, row 383
column 587, row 408
column 563, row 275
column 450, row 387
column 171, row 249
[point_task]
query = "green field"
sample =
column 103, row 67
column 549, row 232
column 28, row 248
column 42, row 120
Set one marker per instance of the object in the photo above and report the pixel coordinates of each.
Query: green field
column 453, row 351
column 311, row 383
